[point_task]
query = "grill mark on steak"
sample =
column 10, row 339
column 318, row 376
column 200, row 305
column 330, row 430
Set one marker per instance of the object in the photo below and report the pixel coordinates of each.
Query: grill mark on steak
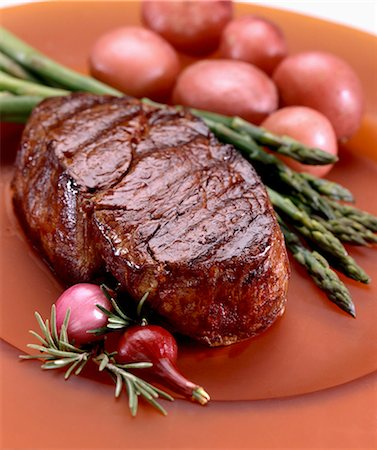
column 171, row 135
column 188, row 179
column 153, row 198
column 200, row 238
column 93, row 172
column 32, row 157
column 86, row 126
column 56, row 110
column 77, row 159
column 146, row 182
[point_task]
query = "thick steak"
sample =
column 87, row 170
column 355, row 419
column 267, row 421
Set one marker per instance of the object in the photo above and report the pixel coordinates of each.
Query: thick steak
column 107, row 184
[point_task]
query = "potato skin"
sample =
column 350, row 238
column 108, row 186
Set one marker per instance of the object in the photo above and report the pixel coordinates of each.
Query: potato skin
column 324, row 82
column 308, row 126
column 254, row 40
column 193, row 26
column 233, row 88
column 136, row 61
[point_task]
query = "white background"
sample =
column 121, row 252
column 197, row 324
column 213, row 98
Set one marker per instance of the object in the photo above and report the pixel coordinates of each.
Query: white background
column 361, row 14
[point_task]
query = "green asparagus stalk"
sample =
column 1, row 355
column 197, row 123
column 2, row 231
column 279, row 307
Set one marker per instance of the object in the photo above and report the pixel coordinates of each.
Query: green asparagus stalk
column 343, row 232
column 14, row 106
column 22, row 87
column 284, row 144
column 347, row 230
column 9, row 66
column 328, row 188
column 367, row 234
column 40, row 64
column 319, row 235
column 213, row 117
column 252, row 151
column 280, row 144
column 344, row 228
column 319, row 270
column 364, row 218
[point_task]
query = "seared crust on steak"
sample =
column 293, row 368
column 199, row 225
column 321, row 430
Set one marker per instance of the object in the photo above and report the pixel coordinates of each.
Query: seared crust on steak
column 108, row 184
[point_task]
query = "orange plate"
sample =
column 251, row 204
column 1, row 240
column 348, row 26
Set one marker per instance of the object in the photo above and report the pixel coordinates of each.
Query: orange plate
column 314, row 347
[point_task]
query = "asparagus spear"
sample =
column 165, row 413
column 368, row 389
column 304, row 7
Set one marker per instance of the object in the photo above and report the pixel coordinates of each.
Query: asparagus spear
column 367, row 234
column 9, row 66
column 22, row 87
column 14, row 108
column 347, row 230
column 319, row 235
column 344, row 228
column 284, row 144
column 270, row 163
column 328, row 188
column 342, row 232
column 364, row 218
column 281, row 144
column 40, row 64
column 319, row 270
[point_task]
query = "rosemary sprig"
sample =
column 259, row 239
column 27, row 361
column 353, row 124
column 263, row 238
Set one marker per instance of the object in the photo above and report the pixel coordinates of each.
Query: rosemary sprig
column 134, row 385
column 57, row 352
column 141, row 304
column 117, row 319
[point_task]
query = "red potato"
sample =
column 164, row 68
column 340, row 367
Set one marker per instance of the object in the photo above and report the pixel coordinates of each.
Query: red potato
column 233, row 88
column 254, row 40
column 307, row 126
column 193, row 27
column 326, row 83
column 136, row 61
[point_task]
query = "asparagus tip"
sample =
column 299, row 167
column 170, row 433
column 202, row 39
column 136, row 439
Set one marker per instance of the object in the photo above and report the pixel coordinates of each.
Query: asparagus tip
column 349, row 309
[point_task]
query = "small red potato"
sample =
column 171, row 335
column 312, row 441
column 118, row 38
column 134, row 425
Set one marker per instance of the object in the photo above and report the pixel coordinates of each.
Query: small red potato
column 136, row 61
column 227, row 87
column 326, row 83
column 307, row 126
column 254, row 40
column 193, row 27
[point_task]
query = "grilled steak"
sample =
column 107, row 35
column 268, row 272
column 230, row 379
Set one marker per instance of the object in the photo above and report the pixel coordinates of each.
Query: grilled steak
column 106, row 184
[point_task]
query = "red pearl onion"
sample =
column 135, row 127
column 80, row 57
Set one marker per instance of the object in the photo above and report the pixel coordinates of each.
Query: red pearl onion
column 82, row 299
column 151, row 343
